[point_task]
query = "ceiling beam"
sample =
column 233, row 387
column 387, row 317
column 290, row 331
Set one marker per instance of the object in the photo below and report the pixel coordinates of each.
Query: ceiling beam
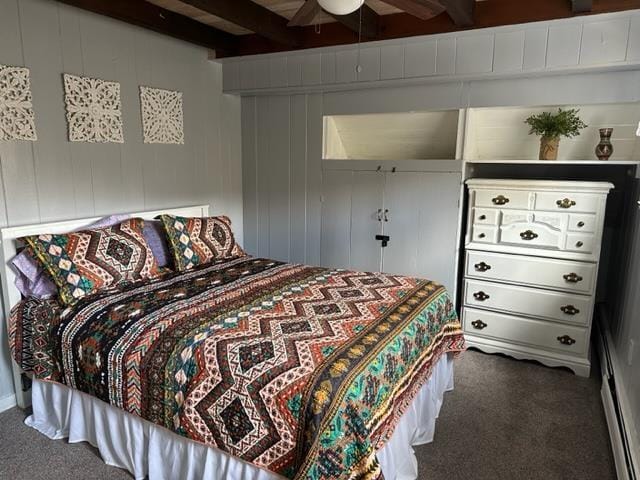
column 423, row 9
column 305, row 15
column 581, row 6
column 461, row 11
column 370, row 21
column 251, row 16
column 147, row 15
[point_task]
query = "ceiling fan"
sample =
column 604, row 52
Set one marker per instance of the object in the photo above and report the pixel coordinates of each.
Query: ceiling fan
column 423, row 9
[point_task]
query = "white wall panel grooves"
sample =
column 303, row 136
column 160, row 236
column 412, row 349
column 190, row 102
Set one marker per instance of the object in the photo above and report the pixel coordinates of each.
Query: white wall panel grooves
column 577, row 44
column 53, row 179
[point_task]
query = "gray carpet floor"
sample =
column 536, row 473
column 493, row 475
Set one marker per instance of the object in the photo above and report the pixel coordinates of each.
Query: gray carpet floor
column 506, row 419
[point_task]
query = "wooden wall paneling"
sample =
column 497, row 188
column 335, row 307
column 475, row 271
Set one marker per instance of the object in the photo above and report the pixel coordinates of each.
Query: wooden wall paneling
column 278, row 72
column 143, row 47
column 328, row 65
column 231, row 76
column 367, row 197
column 79, row 153
column 262, row 72
column 474, row 54
column 420, row 58
column 508, row 53
column 604, row 42
column 535, row 48
column 336, row 218
column 563, row 45
column 314, row 176
column 294, row 70
column 391, row 61
column 441, row 96
column 446, row 56
column 16, row 158
column 312, row 69
column 53, row 168
column 562, row 90
column 370, row 64
column 249, row 175
column 346, row 63
column 263, row 156
column 297, row 179
column 279, row 179
column 248, row 79
column 97, row 44
column 132, row 151
column 633, row 47
column 232, row 156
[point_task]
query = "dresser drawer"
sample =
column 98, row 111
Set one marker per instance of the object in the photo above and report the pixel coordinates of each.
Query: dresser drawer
column 582, row 223
column 532, row 271
column 485, row 216
column 528, row 301
column 524, row 331
column 506, row 199
column 567, row 202
column 485, row 234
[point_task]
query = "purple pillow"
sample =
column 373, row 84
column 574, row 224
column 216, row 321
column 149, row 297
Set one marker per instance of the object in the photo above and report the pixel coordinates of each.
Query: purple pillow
column 154, row 235
column 31, row 280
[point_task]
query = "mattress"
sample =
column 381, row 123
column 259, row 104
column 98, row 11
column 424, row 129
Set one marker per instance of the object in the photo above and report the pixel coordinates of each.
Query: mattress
column 302, row 371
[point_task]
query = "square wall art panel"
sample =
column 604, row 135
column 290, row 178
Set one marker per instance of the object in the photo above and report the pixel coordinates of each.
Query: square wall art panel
column 162, row 117
column 16, row 107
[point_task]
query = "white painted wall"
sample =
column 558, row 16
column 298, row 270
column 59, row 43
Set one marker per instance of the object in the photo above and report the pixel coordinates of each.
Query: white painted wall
column 53, row 179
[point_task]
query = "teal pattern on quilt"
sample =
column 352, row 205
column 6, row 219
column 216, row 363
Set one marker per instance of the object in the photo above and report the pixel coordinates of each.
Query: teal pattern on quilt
column 184, row 255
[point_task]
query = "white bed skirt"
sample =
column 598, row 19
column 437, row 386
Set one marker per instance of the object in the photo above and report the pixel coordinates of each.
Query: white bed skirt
column 145, row 449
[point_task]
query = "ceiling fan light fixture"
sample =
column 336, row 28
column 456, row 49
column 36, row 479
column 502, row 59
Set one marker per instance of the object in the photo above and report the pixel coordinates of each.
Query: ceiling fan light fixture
column 341, row 7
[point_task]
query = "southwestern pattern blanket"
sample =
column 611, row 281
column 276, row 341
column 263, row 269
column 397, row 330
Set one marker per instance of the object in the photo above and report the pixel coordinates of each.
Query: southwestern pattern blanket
column 301, row 370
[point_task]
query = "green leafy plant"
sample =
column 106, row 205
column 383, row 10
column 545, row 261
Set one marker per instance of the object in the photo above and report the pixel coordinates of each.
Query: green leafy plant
column 565, row 123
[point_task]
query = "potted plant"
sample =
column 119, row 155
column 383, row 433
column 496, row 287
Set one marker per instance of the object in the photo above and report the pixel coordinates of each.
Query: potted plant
column 551, row 127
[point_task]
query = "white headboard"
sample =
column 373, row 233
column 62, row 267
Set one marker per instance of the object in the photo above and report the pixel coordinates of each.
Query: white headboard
column 10, row 294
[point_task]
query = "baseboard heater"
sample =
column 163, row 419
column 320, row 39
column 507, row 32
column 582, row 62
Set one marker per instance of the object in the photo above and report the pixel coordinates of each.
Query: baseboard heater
column 621, row 442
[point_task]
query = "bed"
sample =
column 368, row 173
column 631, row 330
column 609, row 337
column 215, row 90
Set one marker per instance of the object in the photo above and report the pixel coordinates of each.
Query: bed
column 242, row 368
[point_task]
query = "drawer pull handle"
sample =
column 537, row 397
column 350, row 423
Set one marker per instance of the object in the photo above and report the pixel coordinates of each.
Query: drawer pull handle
column 482, row 267
column 500, row 200
column 579, row 244
column 565, row 203
column 480, row 296
column 572, row 277
column 481, row 235
column 566, row 340
column 580, row 224
column 482, row 217
column 528, row 235
column 570, row 310
column 479, row 324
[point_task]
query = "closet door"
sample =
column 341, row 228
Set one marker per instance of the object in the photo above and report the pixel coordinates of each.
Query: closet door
column 335, row 233
column 421, row 222
column 366, row 220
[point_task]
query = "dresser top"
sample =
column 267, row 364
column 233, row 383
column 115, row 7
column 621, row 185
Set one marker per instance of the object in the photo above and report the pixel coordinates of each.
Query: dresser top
column 540, row 185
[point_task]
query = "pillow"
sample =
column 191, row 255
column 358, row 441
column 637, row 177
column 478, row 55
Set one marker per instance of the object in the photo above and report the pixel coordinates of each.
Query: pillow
column 85, row 262
column 156, row 239
column 31, row 280
column 196, row 241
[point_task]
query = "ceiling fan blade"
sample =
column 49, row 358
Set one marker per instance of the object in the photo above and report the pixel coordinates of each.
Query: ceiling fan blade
column 306, row 14
column 423, row 9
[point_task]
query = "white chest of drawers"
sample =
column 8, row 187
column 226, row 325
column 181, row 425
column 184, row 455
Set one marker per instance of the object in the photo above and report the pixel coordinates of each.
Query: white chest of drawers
column 531, row 266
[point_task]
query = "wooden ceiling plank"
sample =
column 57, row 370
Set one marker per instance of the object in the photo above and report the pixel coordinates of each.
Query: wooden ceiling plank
column 423, row 9
column 581, row 6
column 251, row 16
column 305, row 15
column 152, row 17
column 370, row 21
column 461, row 11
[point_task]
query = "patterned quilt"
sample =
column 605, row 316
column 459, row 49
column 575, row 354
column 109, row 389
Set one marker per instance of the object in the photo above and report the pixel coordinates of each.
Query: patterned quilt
column 301, row 370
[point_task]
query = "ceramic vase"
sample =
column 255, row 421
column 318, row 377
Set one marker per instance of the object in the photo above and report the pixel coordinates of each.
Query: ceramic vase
column 604, row 149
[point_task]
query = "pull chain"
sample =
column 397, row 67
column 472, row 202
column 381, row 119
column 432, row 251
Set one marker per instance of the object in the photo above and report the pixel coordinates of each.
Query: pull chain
column 358, row 66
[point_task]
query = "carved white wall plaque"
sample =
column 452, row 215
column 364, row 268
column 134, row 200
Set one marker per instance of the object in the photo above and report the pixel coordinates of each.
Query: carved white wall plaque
column 16, row 108
column 93, row 110
column 162, row 116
